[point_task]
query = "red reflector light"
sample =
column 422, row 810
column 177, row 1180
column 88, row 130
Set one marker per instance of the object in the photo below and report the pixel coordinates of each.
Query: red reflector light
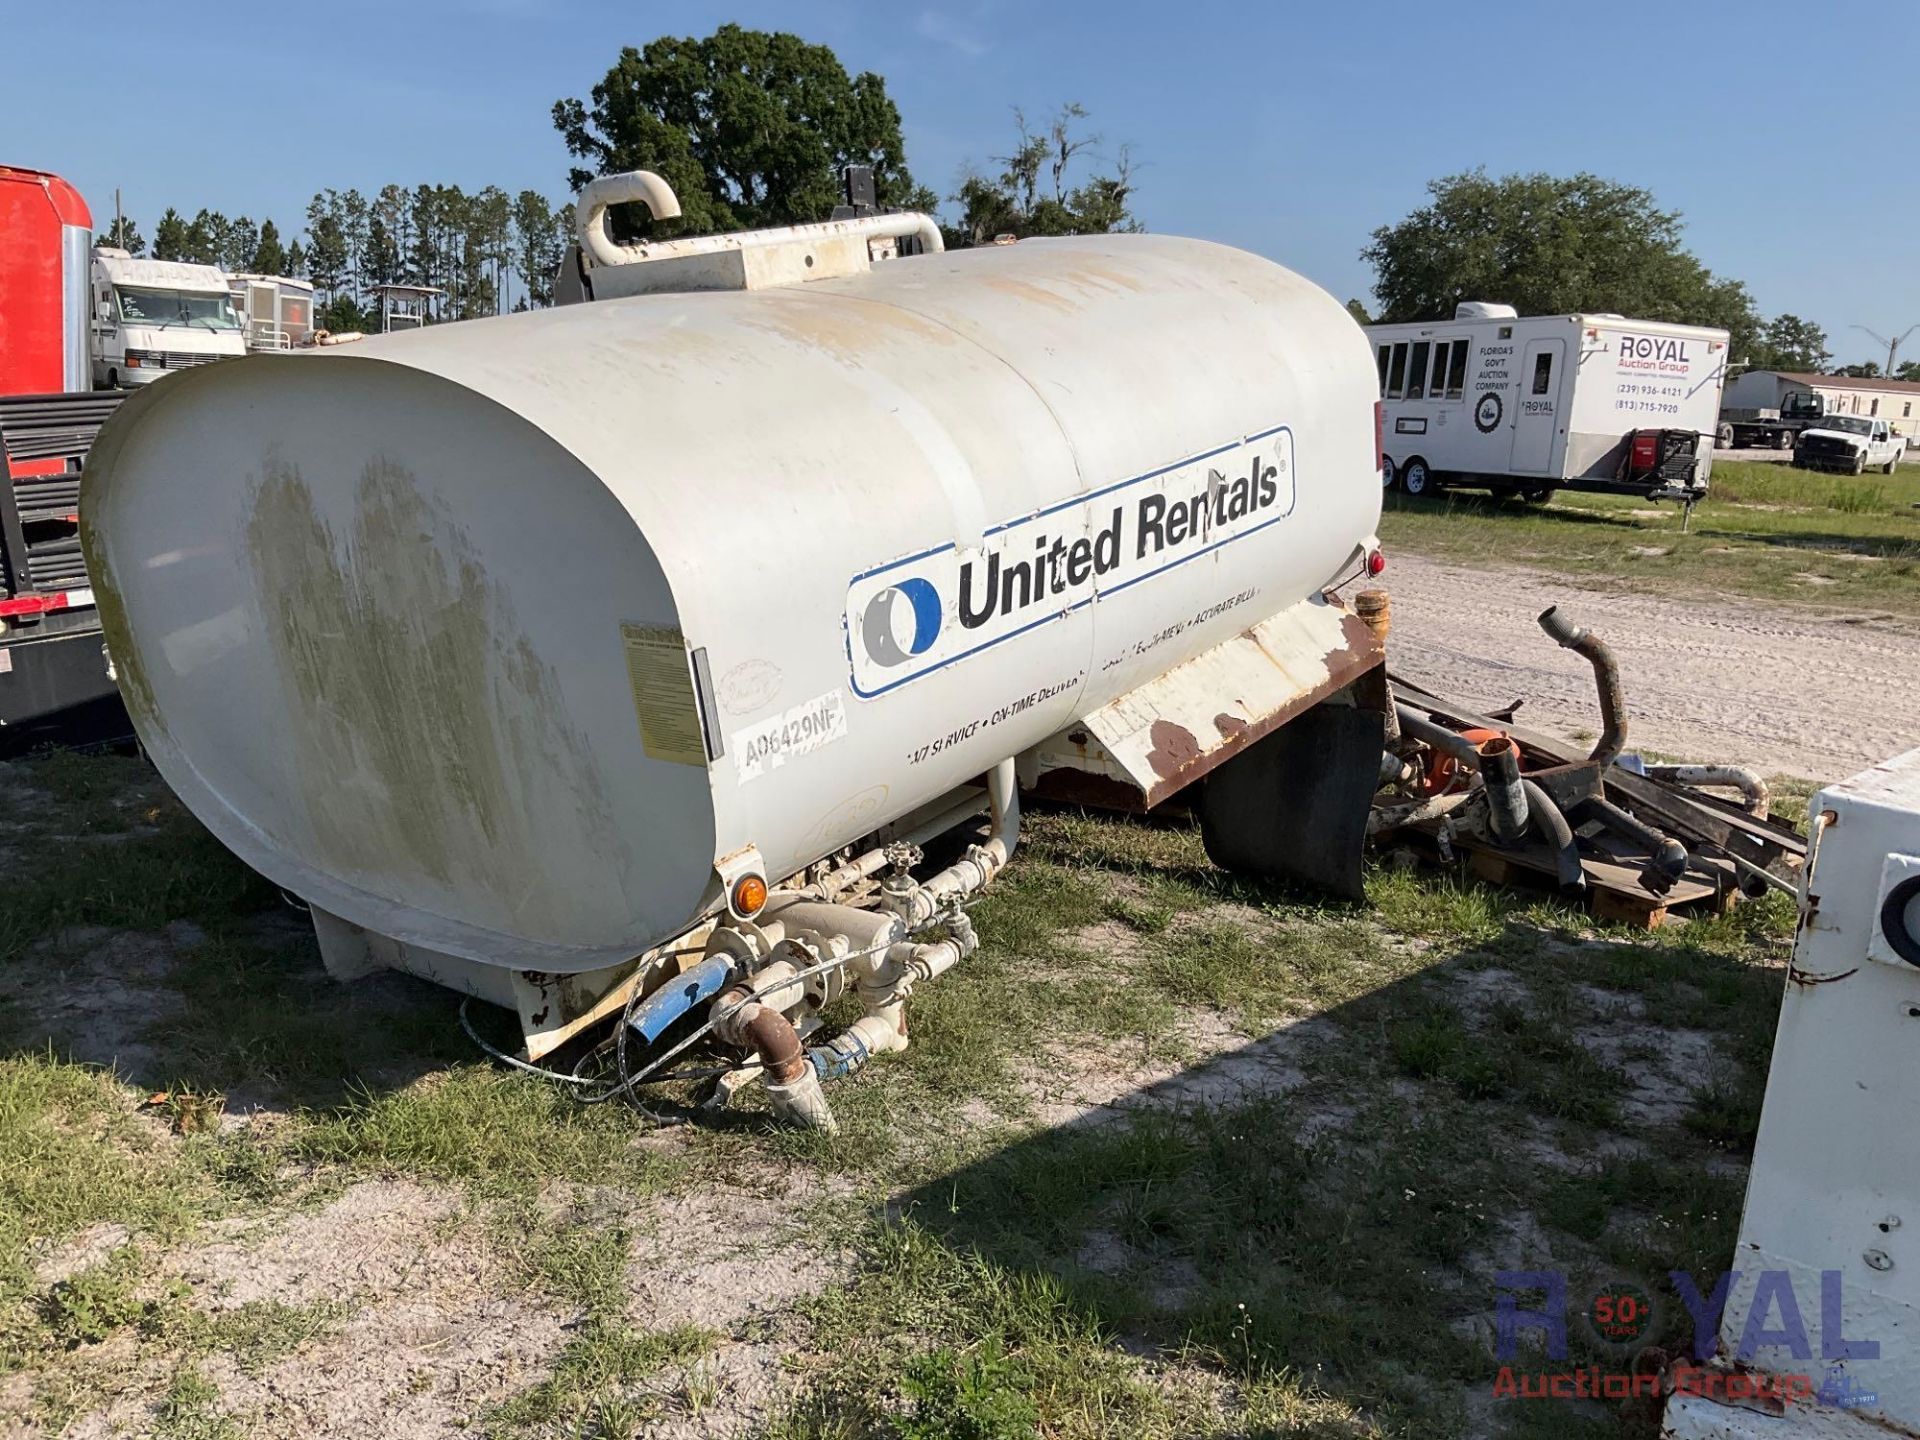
column 1376, row 561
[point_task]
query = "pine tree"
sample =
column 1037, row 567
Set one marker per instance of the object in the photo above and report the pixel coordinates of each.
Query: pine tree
column 123, row 234
column 268, row 256
column 238, row 244
column 207, row 237
column 170, row 237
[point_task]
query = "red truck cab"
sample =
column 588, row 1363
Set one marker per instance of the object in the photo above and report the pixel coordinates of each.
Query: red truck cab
column 55, row 683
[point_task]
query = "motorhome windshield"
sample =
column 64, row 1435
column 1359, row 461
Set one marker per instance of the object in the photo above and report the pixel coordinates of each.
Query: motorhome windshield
column 142, row 306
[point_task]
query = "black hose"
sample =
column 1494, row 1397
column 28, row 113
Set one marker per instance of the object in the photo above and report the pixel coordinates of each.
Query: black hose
column 1542, row 813
column 1546, row 818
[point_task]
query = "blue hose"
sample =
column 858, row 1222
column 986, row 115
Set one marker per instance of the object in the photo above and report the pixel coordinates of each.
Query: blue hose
column 652, row 1016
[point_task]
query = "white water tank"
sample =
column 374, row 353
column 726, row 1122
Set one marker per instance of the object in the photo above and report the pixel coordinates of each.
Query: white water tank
column 496, row 636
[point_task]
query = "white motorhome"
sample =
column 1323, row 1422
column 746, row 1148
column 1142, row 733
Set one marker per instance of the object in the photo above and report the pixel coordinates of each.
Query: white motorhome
column 153, row 316
column 1587, row 402
column 276, row 311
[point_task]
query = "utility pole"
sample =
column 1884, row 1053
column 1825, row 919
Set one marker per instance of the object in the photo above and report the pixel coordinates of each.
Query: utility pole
column 1893, row 346
column 119, row 230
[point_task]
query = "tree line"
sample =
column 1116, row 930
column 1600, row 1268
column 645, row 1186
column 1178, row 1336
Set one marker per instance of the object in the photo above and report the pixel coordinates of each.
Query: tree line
column 754, row 128
column 487, row 251
column 751, row 128
column 1560, row 245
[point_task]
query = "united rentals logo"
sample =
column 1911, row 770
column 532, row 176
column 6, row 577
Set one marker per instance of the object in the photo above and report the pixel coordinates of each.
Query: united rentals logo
column 901, row 621
column 929, row 610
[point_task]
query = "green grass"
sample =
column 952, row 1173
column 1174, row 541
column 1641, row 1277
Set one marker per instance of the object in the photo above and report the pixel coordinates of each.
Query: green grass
column 114, row 849
column 591, row 1389
column 1763, row 530
column 1316, row 1276
column 1177, row 1269
column 490, row 1130
column 72, row 1156
column 191, row 1411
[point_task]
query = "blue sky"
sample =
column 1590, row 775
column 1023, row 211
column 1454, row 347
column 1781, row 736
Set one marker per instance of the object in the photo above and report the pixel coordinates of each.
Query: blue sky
column 1785, row 133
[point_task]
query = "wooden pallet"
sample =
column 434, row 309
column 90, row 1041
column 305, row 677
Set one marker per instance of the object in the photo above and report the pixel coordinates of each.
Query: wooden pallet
column 1615, row 893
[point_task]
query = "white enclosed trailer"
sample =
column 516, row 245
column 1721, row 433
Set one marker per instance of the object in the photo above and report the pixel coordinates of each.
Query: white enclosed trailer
column 1496, row 400
column 276, row 310
column 532, row 645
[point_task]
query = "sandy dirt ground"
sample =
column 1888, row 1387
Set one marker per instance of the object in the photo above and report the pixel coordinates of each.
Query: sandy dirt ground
column 1787, row 691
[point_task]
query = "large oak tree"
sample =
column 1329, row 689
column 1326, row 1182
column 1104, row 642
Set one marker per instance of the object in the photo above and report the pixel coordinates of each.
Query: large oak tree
column 750, row 128
column 1551, row 245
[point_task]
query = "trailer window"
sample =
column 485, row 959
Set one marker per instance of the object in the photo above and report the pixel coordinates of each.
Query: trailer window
column 1876, row 408
column 1542, row 372
column 1385, row 351
column 1417, row 371
column 1449, row 370
column 1397, row 371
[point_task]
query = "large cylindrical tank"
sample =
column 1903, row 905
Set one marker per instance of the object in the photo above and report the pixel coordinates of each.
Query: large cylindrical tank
column 494, row 637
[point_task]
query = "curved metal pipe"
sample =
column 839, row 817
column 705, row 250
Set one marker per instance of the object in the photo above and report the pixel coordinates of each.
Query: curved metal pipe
column 646, row 188
column 974, row 871
column 1670, row 858
column 792, row 1085
column 1606, row 679
column 1757, row 798
column 641, row 187
column 1546, row 818
column 1506, row 797
column 777, row 1043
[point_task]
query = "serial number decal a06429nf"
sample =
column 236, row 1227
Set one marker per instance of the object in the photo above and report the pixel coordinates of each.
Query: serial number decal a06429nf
column 772, row 742
column 929, row 610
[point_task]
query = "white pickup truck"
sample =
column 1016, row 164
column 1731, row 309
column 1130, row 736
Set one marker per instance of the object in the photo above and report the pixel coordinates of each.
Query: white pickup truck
column 1851, row 443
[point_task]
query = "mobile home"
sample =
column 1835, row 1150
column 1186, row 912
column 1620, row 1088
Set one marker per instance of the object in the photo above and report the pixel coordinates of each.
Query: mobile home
column 151, row 317
column 1535, row 404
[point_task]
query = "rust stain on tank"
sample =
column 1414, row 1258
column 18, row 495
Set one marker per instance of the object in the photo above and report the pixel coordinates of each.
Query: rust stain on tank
column 850, row 327
column 1173, row 748
column 1032, row 294
column 1109, row 278
column 1228, row 725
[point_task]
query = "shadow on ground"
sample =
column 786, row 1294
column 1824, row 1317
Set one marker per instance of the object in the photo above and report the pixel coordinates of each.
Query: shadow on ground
column 135, row 941
column 1325, row 1210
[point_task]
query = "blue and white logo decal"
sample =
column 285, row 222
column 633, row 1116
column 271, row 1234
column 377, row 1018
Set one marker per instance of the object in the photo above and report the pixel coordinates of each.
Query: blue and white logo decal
column 901, row 621
column 939, row 606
